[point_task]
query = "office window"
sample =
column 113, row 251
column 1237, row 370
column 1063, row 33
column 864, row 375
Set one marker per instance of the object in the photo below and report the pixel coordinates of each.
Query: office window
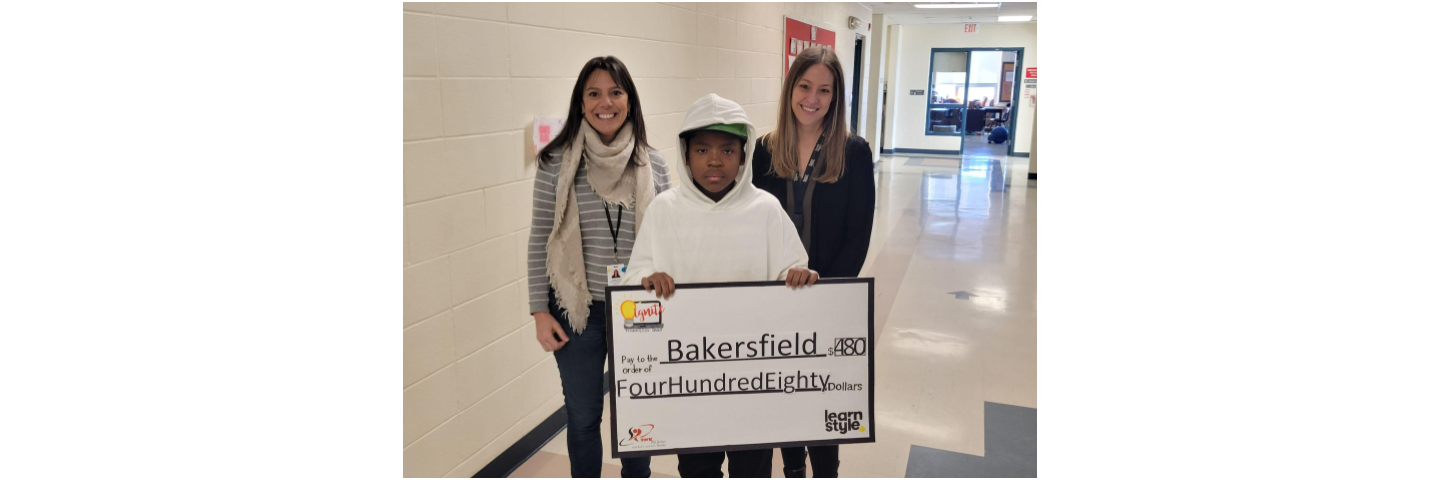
column 948, row 85
column 946, row 112
column 980, row 91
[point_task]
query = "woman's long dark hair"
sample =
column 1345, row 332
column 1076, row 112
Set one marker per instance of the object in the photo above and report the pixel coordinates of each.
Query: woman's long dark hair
column 621, row 76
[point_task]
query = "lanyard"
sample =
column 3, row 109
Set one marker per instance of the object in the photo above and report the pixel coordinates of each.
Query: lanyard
column 614, row 228
column 798, row 209
column 814, row 155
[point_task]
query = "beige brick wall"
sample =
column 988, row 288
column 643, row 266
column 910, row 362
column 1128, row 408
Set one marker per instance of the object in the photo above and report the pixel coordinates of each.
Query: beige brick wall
column 475, row 77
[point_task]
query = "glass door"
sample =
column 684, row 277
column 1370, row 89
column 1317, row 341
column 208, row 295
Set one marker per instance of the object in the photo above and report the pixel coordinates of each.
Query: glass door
column 973, row 96
column 948, row 85
column 985, row 106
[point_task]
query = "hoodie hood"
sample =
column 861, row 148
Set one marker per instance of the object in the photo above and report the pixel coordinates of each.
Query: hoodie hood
column 709, row 110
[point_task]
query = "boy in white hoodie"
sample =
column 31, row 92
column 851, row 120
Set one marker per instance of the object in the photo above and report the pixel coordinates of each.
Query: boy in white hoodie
column 716, row 226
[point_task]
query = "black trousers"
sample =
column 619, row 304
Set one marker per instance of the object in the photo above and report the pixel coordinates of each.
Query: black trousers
column 743, row 464
column 826, row 461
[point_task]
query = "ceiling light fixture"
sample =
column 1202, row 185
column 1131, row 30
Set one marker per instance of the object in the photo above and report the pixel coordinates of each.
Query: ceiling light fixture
column 1016, row 18
column 957, row 5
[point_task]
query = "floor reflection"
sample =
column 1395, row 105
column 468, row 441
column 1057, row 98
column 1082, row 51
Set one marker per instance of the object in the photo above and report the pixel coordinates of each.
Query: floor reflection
column 961, row 208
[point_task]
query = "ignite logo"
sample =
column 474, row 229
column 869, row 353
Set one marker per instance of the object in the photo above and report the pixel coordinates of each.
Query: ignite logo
column 638, row 435
column 642, row 315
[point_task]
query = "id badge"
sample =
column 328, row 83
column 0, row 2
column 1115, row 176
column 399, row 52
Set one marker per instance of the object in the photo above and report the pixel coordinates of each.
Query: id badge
column 613, row 273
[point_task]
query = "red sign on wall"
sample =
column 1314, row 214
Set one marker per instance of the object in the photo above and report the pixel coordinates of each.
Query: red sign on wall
column 1030, row 73
column 972, row 28
column 799, row 36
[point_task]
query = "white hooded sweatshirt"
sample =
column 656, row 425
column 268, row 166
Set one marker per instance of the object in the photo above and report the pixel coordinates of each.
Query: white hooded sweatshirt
column 746, row 236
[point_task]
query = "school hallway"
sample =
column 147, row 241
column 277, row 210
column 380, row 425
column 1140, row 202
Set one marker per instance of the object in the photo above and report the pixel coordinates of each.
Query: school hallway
column 953, row 257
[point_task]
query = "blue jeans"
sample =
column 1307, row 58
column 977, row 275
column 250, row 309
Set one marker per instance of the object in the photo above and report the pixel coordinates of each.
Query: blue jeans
column 583, row 379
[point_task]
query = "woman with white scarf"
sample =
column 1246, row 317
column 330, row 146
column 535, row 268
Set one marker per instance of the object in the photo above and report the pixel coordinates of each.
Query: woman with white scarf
column 594, row 182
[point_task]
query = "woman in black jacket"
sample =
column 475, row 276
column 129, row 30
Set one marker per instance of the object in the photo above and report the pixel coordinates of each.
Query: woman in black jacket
column 823, row 177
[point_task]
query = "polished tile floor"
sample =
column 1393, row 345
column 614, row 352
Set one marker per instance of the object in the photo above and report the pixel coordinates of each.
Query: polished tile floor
column 953, row 257
column 977, row 145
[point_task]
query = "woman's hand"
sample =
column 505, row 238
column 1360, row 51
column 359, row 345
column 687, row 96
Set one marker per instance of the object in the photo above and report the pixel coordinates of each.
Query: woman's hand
column 660, row 284
column 801, row 277
column 546, row 329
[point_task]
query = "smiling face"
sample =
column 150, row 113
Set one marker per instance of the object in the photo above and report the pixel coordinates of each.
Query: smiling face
column 810, row 100
column 605, row 104
column 714, row 159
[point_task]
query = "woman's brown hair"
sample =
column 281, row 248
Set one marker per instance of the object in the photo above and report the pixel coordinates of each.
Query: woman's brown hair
column 621, row 76
column 785, row 161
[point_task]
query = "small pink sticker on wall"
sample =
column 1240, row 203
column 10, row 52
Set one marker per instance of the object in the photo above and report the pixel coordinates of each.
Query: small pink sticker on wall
column 546, row 128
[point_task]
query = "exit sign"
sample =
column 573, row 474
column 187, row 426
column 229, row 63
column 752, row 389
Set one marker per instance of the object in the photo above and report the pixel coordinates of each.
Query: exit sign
column 972, row 28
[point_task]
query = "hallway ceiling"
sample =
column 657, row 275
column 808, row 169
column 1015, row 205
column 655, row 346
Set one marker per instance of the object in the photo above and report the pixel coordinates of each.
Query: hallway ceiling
column 905, row 13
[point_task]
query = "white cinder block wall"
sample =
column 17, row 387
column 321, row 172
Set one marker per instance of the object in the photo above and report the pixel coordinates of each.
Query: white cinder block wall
column 475, row 76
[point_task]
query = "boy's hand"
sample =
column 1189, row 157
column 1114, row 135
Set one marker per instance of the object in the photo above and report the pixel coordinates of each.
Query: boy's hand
column 546, row 329
column 660, row 284
column 801, row 277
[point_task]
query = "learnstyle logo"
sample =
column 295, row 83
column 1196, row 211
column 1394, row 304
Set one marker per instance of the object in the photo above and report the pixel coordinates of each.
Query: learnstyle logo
column 642, row 315
column 844, row 422
column 640, row 437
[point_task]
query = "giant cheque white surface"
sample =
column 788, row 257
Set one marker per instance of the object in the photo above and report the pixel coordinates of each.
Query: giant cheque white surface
column 735, row 366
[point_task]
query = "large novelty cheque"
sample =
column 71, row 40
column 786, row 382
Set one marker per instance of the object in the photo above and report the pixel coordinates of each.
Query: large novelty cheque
column 739, row 366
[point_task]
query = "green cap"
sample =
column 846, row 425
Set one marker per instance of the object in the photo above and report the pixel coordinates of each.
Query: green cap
column 736, row 129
